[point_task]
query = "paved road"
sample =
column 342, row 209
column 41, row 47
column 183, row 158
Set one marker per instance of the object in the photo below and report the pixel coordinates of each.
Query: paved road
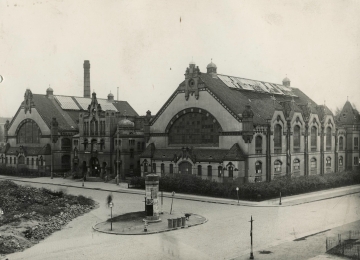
column 224, row 236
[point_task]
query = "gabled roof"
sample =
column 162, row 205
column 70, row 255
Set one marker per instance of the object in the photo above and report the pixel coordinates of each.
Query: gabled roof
column 66, row 109
column 235, row 154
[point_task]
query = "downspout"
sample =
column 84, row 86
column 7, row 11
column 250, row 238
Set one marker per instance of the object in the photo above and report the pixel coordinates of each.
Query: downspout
column 306, row 152
column 268, row 153
column 336, row 151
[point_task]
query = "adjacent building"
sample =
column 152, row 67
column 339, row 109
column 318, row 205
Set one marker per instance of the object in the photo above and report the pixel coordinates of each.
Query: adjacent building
column 85, row 135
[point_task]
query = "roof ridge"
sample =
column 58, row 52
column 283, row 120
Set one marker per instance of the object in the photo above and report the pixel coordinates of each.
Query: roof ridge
column 253, row 80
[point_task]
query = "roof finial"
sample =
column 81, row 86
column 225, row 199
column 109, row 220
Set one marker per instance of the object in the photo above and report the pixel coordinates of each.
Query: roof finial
column 347, row 98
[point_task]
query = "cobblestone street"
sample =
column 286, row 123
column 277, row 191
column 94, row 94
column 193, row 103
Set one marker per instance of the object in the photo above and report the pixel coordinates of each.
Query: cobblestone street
column 226, row 235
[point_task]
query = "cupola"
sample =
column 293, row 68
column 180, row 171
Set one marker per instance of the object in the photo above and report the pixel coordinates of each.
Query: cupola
column 110, row 97
column 49, row 92
column 125, row 123
column 286, row 82
column 211, row 69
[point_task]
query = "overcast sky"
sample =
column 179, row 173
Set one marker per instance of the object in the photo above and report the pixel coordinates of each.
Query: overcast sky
column 144, row 47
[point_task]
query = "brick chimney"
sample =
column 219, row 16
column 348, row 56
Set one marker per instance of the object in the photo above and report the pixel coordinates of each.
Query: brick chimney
column 86, row 79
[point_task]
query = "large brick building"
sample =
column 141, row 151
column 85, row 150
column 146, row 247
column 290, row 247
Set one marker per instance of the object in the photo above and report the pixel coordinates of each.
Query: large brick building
column 90, row 134
column 222, row 127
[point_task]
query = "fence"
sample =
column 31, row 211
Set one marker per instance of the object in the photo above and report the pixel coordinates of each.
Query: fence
column 346, row 244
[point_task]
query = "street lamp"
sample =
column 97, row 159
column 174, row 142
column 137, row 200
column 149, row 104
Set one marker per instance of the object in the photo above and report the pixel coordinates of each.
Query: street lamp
column 111, row 206
column 237, row 191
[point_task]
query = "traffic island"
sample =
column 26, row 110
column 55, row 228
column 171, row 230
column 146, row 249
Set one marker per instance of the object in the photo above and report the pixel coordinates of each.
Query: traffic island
column 133, row 223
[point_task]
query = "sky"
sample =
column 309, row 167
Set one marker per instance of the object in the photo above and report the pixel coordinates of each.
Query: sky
column 143, row 48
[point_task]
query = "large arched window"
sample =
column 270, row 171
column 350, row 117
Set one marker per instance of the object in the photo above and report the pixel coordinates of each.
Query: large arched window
column 28, row 132
column 199, row 170
column 277, row 166
column 313, row 138
column 277, row 138
column 296, row 139
column 258, row 144
column 328, row 138
column 65, row 144
column 195, row 128
column 341, row 143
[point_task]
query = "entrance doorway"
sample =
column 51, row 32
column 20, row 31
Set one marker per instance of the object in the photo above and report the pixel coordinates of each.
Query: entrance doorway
column 94, row 167
column 185, row 168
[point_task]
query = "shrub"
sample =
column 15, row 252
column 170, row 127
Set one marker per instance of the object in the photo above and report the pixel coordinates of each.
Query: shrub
column 252, row 191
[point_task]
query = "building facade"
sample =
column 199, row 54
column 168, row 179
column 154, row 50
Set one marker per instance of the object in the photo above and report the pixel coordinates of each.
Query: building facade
column 222, row 128
column 84, row 135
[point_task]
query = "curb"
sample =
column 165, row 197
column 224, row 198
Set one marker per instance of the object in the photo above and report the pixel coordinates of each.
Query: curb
column 190, row 199
column 145, row 233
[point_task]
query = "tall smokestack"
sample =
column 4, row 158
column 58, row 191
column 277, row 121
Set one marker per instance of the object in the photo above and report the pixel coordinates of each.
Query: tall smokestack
column 86, row 79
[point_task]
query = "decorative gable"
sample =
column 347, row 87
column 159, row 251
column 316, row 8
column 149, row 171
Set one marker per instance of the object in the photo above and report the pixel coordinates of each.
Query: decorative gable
column 192, row 81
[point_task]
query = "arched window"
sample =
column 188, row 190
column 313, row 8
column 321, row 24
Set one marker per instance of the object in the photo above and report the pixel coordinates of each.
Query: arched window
column 277, row 138
column 14, row 160
column 341, row 143
column 27, row 161
column 328, row 162
column 32, row 161
column 145, row 167
column 231, row 171
column 296, row 137
column 10, row 160
column 65, row 144
column 296, row 164
column 328, row 139
column 199, row 170
column 219, row 171
column 195, row 128
column 313, row 138
column 341, row 161
column 162, row 168
column 154, row 167
column 28, row 132
column 171, row 168
column 258, row 167
column 277, row 167
column 96, row 127
column 209, row 170
column 258, row 144
column 313, row 165
column 37, row 162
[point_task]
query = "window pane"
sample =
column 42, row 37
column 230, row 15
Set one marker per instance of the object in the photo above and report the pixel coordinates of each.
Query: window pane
column 277, row 136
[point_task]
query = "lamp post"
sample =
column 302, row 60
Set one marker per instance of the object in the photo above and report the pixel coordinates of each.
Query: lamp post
column 117, row 157
column 251, row 235
column 280, row 198
column 111, row 206
column 237, row 192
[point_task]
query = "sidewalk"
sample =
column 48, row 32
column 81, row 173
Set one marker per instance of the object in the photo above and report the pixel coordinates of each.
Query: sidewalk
column 123, row 188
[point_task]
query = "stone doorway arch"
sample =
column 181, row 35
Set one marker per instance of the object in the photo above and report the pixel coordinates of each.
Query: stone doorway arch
column 185, row 168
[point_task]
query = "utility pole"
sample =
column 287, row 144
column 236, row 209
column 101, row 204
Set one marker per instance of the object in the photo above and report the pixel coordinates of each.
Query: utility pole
column 251, row 235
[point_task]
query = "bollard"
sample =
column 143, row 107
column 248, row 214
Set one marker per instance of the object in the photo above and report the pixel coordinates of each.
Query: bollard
column 179, row 222
column 170, row 224
column 145, row 226
column 174, row 222
column 183, row 219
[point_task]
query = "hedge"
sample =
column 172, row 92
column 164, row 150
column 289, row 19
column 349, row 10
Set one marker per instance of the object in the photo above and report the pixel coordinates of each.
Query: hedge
column 192, row 184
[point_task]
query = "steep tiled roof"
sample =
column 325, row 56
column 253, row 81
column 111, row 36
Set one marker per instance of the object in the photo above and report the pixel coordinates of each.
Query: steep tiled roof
column 263, row 104
column 235, row 154
column 349, row 115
